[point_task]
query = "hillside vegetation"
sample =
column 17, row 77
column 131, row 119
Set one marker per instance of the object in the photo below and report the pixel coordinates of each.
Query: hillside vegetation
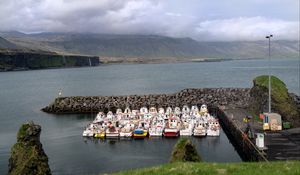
column 282, row 103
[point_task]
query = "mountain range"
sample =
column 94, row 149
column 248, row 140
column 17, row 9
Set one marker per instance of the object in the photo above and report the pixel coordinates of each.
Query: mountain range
column 145, row 46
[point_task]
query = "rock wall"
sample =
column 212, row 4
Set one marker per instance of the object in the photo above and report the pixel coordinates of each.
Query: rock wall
column 19, row 60
column 229, row 97
column 27, row 155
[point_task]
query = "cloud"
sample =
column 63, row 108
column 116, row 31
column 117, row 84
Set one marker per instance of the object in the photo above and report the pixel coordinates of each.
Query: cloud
column 243, row 28
column 208, row 20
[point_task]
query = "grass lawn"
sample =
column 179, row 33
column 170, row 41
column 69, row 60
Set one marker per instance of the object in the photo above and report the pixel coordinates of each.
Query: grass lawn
column 249, row 168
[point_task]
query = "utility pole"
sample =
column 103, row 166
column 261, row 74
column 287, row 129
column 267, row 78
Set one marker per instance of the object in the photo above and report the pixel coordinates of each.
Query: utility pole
column 269, row 70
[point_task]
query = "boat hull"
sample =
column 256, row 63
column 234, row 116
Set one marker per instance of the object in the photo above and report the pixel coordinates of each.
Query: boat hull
column 112, row 135
column 213, row 132
column 125, row 134
column 140, row 133
column 88, row 134
column 144, row 135
column 99, row 135
column 186, row 133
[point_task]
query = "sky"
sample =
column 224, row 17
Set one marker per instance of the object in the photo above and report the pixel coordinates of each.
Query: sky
column 203, row 20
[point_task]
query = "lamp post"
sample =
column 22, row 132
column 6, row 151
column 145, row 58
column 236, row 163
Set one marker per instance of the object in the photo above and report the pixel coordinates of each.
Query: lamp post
column 269, row 67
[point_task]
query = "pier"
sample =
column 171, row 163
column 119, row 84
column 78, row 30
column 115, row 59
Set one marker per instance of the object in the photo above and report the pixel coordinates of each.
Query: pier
column 280, row 145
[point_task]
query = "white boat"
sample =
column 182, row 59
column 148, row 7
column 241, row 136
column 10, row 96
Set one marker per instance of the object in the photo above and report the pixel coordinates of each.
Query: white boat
column 127, row 130
column 177, row 111
column 203, row 109
column 127, row 112
column 99, row 117
column 112, row 132
column 153, row 111
column 187, row 128
column 157, row 127
column 194, row 111
column 169, row 111
column 161, row 111
column 200, row 129
column 213, row 128
column 119, row 111
column 143, row 110
column 185, row 109
column 110, row 116
column 89, row 131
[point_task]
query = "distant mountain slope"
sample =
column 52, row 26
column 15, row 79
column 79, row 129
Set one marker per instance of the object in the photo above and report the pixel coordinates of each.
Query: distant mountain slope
column 149, row 46
column 4, row 44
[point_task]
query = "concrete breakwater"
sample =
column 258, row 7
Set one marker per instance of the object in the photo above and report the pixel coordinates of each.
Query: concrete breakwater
column 229, row 97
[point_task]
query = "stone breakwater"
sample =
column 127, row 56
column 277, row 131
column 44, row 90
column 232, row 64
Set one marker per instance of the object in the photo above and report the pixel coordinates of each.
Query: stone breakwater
column 229, row 97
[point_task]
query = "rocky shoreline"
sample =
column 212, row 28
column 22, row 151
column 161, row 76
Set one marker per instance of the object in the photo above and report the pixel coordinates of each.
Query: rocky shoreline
column 229, row 97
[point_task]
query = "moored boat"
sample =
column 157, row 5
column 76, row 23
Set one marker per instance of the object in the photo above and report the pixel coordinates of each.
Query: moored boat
column 200, row 129
column 127, row 130
column 157, row 127
column 213, row 128
column 187, row 128
column 142, row 130
column 172, row 127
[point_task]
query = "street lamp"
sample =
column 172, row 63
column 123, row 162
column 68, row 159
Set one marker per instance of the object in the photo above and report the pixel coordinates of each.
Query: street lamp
column 269, row 67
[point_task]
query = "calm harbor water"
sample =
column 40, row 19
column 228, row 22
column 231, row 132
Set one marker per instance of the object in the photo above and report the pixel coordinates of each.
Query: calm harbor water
column 23, row 94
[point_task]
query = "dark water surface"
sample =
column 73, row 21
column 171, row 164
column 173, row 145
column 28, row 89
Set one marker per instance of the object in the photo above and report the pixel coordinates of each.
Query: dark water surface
column 23, row 94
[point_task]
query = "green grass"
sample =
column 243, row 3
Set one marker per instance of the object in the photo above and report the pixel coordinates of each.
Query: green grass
column 254, row 168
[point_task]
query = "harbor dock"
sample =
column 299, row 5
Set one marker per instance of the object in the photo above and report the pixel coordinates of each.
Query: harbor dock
column 230, row 105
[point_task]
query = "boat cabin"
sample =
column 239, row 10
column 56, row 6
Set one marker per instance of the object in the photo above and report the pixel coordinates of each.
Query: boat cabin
column 203, row 109
column 153, row 110
column 185, row 109
column 144, row 110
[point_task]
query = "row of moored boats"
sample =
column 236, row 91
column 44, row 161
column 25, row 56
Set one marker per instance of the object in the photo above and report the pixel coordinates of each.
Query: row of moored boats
column 152, row 122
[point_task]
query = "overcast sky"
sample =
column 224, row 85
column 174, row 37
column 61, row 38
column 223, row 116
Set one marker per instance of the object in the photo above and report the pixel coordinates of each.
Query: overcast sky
column 199, row 19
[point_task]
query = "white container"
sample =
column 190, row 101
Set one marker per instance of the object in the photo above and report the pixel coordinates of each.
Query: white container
column 260, row 140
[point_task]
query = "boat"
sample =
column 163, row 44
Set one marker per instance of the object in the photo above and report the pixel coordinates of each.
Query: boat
column 194, row 111
column 172, row 127
column 100, row 133
column 213, row 128
column 142, row 130
column 119, row 111
column 127, row 130
column 185, row 109
column 187, row 128
column 169, row 111
column 153, row 111
column 161, row 111
column 200, row 129
column 89, row 130
column 177, row 111
column 110, row 116
column 203, row 109
column 140, row 133
column 157, row 127
column 143, row 110
column 99, row 117
column 112, row 131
